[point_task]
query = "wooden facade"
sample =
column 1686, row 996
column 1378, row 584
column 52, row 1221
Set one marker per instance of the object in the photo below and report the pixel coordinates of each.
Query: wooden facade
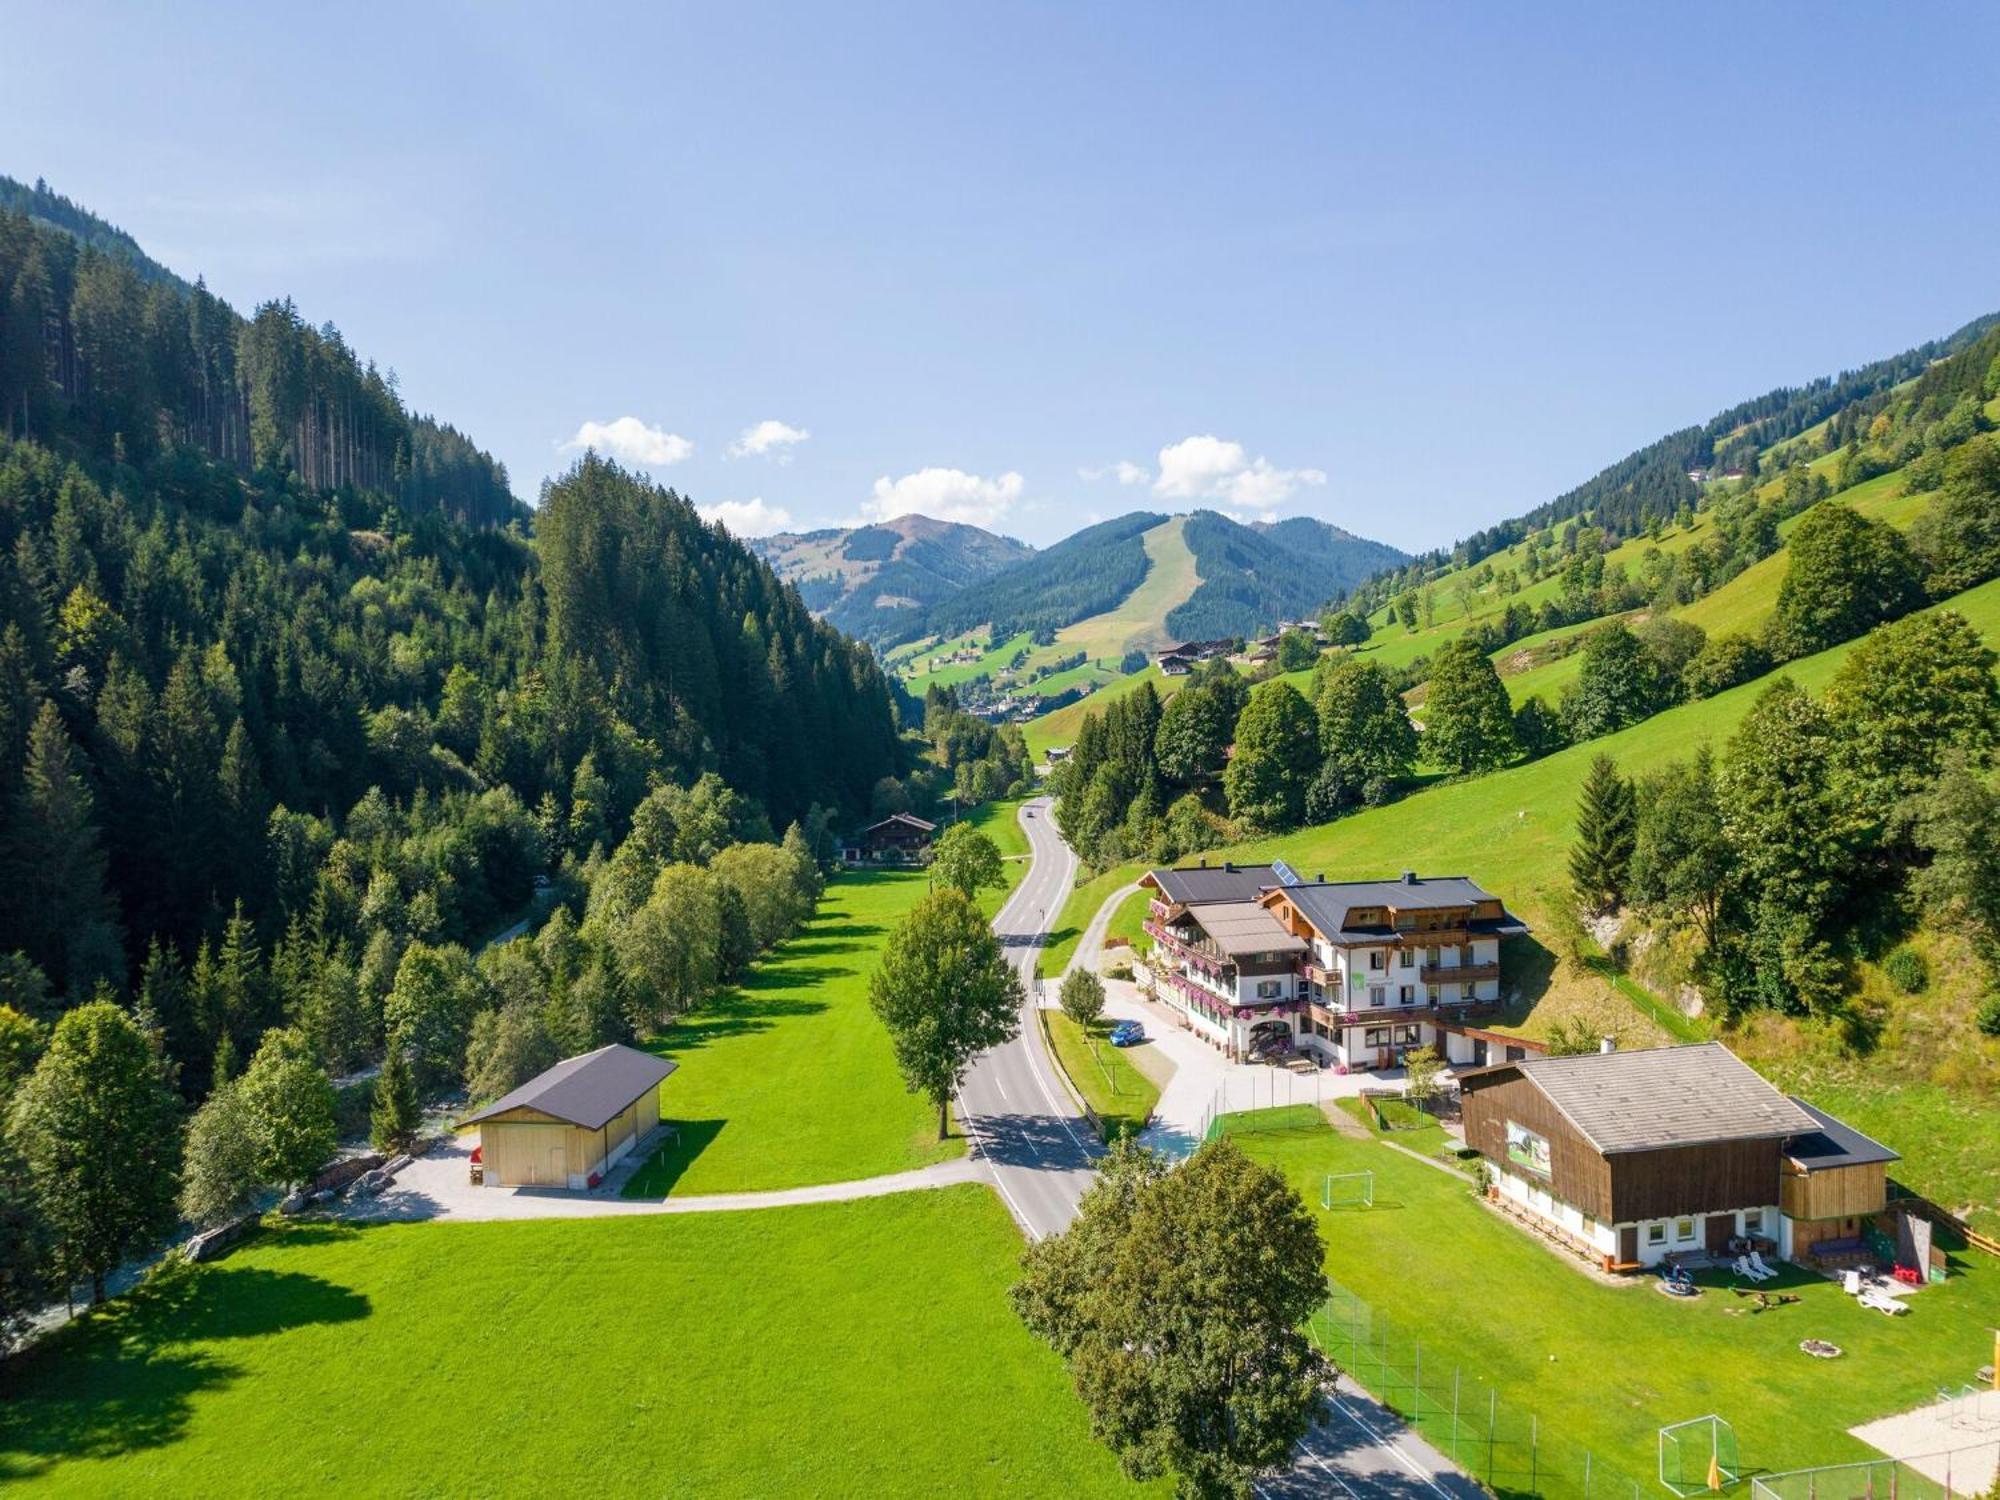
column 1848, row 1192
column 1577, row 1174
column 526, row 1148
column 1626, row 1186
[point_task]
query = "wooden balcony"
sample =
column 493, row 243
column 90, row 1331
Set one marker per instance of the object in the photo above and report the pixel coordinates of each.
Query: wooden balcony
column 1457, row 973
column 1434, row 937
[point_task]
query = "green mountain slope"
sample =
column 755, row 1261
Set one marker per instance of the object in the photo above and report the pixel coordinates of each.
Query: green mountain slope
column 1255, row 576
column 872, row 581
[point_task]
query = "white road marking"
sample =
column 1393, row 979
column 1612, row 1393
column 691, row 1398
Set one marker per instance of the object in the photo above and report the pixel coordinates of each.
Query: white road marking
column 1395, row 1450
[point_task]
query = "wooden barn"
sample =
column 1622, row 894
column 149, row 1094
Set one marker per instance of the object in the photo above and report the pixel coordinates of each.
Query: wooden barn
column 1631, row 1157
column 567, row 1127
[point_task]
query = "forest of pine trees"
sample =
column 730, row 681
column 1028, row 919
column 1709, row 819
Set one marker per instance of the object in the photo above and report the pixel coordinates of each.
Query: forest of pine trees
column 270, row 675
column 99, row 345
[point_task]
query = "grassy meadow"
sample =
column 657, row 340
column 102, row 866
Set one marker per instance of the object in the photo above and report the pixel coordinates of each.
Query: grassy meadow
column 788, row 1079
column 863, row 1348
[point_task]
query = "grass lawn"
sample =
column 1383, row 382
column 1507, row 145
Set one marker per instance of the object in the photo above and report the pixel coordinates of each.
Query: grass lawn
column 788, row 1078
column 1603, row 1367
column 1128, row 921
column 1108, row 1078
column 862, row 1348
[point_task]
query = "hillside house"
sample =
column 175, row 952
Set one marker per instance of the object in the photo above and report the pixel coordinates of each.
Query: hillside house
column 1629, row 1157
column 568, row 1126
column 899, row 839
column 1358, row 973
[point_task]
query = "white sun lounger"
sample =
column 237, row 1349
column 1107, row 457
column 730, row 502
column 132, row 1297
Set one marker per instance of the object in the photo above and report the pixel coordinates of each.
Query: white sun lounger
column 1883, row 1302
column 1764, row 1272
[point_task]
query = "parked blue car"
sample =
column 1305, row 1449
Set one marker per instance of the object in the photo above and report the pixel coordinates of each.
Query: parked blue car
column 1127, row 1034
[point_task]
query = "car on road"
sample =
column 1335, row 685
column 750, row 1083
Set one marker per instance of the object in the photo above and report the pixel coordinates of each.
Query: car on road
column 1127, row 1034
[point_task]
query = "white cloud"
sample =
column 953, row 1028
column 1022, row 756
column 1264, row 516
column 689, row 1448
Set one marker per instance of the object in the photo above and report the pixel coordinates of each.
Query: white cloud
column 1212, row 468
column 771, row 437
column 632, row 441
column 944, row 495
column 748, row 517
column 1124, row 471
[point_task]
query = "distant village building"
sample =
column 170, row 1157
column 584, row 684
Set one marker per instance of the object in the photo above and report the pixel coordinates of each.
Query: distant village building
column 899, row 839
column 1177, row 661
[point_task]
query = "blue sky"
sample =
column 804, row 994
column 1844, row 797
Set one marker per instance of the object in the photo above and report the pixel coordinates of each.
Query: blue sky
column 1410, row 268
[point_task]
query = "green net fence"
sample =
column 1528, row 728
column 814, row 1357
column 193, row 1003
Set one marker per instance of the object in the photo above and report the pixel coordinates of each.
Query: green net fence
column 1498, row 1442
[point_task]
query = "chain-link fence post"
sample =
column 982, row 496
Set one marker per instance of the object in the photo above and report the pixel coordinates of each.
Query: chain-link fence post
column 1454, row 1415
column 1492, row 1416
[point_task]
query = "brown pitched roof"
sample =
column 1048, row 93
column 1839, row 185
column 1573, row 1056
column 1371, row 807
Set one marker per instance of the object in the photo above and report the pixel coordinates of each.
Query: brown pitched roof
column 589, row 1090
column 1658, row 1097
column 1240, row 927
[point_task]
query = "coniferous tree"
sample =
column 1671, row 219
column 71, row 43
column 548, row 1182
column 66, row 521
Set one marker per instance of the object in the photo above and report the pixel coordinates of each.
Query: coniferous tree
column 57, row 910
column 395, row 1114
column 1600, row 860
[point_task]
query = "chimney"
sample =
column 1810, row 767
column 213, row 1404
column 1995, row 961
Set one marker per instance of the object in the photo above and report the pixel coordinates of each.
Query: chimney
column 1229, row 866
column 1204, row 862
column 1320, row 878
column 1409, row 877
column 1607, row 1044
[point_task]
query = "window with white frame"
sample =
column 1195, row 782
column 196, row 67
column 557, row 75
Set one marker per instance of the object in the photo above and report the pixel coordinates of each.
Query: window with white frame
column 1683, row 1231
column 1656, row 1234
column 1378, row 995
column 1269, row 989
column 1376, row 960
column 1408, row 959
column 1753, row 1221
column 1407, row 995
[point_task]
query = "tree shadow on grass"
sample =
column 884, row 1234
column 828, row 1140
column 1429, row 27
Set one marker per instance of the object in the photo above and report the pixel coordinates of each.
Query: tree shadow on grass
column 669, row 1164
column 727, row 1017
column 124, row 1379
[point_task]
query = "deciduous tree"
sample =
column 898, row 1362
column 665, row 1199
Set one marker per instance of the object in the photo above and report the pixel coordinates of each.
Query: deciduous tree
column 100, row 1134
column 945, row 993
column 1082, row 996
column 968, row 861
column 1277, row 754
column 1468, row 720
column 1177, row 1298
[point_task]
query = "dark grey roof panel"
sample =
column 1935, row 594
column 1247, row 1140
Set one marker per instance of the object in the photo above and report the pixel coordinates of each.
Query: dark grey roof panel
column 1211, row 885
column 1658, row 1097
column 1834, row 1144
column 590, row 1090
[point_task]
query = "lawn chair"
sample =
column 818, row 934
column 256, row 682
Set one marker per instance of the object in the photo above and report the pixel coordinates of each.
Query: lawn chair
column 1764, row 1272
column 1882, row 1302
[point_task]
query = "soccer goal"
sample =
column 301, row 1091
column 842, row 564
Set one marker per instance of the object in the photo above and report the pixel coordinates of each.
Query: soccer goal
column 1348, row 1190
column 1698, row 1455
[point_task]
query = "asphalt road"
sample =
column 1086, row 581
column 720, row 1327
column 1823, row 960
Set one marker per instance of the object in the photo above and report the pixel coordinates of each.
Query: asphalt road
column 1043, row 1155
column 1042, row 1151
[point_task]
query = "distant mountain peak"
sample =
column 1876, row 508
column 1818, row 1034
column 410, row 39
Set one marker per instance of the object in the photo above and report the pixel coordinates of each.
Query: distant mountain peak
column 871, row 580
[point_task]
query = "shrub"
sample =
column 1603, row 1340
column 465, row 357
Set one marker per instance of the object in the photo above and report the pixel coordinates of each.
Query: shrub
column 1988, row 1018
column 1907, row 970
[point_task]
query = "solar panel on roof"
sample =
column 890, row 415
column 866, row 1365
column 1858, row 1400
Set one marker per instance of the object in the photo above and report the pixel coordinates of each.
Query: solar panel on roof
column 1285, row 873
